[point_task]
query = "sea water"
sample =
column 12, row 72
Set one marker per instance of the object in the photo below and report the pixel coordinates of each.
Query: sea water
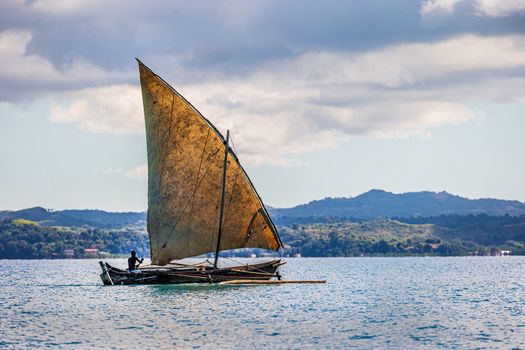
column 470, row 302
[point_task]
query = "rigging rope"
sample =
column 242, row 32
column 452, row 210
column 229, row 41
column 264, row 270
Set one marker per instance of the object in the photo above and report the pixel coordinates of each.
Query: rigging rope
column 238, row 172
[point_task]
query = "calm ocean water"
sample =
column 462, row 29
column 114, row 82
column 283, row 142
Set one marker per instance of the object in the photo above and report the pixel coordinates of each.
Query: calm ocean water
column 367, row 303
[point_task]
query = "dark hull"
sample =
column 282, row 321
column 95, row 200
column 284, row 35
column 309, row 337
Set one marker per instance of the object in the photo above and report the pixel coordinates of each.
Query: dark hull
column 174, row 274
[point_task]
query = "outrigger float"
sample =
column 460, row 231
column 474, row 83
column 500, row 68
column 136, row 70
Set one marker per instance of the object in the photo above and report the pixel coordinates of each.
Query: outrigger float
column 200, row 199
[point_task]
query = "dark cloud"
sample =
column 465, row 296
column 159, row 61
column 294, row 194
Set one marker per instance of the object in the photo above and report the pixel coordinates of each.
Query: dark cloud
column 233, row 36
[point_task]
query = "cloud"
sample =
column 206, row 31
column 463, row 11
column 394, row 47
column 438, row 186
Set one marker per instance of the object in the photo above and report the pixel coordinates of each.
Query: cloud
column 115, row 109
column 60, row 6
column 488, row 8
column 446, row 6
column 317, row 100
column 498, row 8
column 232, row 39
column 409, row 63
column 140, row 172
column 25, row 75
column 283, row 86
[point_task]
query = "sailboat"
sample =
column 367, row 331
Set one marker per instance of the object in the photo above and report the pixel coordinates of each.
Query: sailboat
column 200, row 198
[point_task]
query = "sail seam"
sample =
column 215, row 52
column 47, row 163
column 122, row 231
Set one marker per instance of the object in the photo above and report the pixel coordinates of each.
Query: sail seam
column 186, row 205
column 195, row 191
column 163, row 150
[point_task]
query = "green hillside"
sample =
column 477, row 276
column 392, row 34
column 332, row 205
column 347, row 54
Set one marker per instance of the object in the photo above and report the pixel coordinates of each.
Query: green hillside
column 25, row 239
column 391, row 237
column 443, row 236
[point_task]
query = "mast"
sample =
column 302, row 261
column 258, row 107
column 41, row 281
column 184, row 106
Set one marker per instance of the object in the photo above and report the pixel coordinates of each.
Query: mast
column 222, row 197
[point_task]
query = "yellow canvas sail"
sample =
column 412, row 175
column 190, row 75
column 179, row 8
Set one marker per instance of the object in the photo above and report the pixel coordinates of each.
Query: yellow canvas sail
column 185, row 174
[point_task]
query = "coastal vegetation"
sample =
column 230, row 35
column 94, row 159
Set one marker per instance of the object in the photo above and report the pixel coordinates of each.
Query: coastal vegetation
column 26, row 239
column 376, row 223
column 447, row 235
column 442, row 236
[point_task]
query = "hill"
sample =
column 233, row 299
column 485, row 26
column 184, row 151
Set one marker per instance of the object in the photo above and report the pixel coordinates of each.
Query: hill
column 441, row 236
column 75, row 218
column 373, row 223
column 25, row 239
column 379, row 203
column 444, row 236
column 369, row 205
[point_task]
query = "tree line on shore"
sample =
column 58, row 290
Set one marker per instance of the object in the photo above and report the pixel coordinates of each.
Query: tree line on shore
column 454, row 235
column 387, row 237
column 24, row 239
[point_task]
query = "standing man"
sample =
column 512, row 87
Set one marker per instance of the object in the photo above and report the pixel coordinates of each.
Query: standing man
column 132, row 262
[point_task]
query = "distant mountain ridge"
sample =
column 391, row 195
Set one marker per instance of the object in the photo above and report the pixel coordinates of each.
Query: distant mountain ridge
column 86, row 217
column 374, row 223
column 369, row 205
column 379, row 203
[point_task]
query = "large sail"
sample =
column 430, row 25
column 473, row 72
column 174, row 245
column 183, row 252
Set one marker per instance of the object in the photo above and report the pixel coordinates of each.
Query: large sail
column 185, row 171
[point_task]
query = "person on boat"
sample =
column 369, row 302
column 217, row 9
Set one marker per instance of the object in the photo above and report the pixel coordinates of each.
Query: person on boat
column 133, row 260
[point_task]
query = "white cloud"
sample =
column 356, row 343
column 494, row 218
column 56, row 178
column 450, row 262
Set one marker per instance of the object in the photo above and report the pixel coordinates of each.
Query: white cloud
column 500, row 8
column 140, row 172
column 18, row 65
column 410, row 63
column 113, row 109
column 61, row 6
column 446, row 6
column 489, row 8
column 318, row 100
column 34, row 72
column 278, row 129
column 290, row 107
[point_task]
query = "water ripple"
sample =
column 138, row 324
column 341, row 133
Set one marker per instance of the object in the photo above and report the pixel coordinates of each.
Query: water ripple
column 367, row 303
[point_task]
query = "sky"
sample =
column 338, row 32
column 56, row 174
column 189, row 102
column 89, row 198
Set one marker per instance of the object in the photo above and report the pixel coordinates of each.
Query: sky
column 322, row 99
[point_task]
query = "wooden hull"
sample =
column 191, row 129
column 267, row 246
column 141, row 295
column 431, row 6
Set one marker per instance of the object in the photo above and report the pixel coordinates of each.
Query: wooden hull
column 175, row 274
